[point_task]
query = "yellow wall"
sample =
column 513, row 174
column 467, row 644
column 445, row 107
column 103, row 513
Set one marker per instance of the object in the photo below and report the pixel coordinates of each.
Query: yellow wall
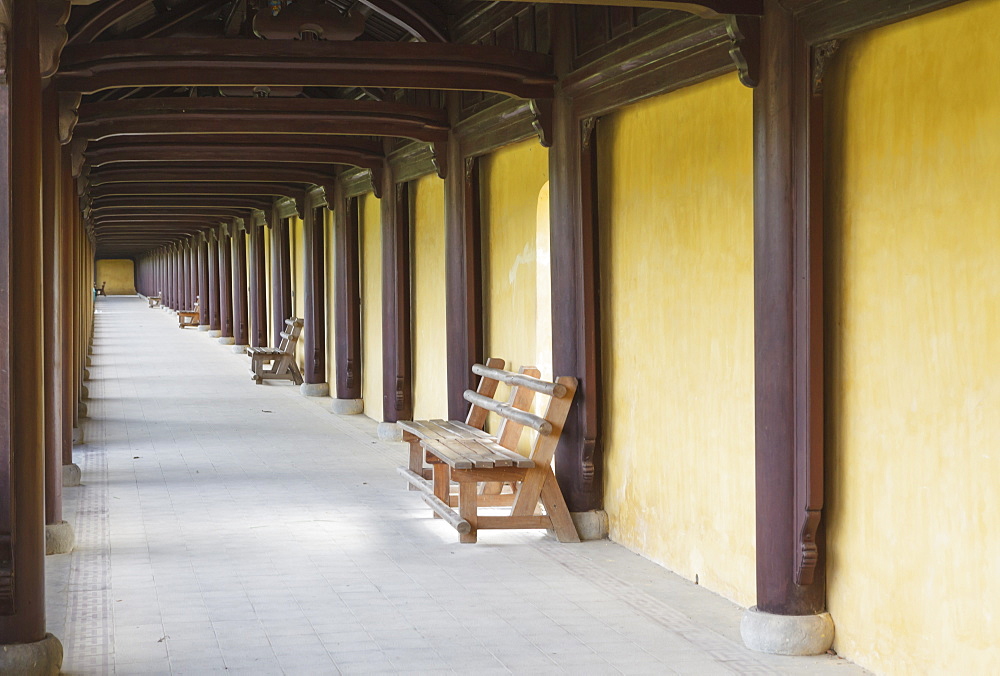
column 513, row 180
column 913, row 504
column 676, row 214
column 430, row 348
column 118, row 273
column 370, row 230
column 331, row 278
column 297, row 256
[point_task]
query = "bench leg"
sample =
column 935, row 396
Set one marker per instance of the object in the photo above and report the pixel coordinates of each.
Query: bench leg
column 416, row 459
column 442, row 483
column 468, row 509
column 555, row 508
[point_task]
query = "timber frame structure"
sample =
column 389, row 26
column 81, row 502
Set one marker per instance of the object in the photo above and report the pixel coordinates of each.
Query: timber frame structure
column 181, row 134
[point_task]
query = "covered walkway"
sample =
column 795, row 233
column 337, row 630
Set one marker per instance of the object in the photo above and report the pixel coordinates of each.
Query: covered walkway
column 228, row 527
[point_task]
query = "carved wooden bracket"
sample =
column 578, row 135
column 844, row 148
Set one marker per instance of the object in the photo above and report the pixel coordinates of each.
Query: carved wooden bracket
column 3, row 51
column 587, row 126
column 744, row 34
column 377, row 174
column 541, row 122
column 439, row 158
column 313, row 17
column 822, row 53
column 69, row 114
column 52, row 35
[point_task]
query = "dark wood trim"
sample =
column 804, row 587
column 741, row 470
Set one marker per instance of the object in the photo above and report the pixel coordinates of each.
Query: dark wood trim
column 788, row 339
column 397, row 380
column 411, row 161
column 281, row 271
column 507, row 122
column 822, row 21
column 202, row 172
column 347, row 290
column 258, row 283
column 214, row 307
column 241, row 319
column 314, row 328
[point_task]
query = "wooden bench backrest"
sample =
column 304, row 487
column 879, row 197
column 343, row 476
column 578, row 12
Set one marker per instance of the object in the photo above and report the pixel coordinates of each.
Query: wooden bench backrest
column 288, row 338
column 549, row 426
column 487, row 387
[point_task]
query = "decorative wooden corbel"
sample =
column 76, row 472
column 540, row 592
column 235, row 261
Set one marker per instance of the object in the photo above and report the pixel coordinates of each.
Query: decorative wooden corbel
column 587, row 126
column 76, row 156
column 541, row 120
column 744, row 35
column 69, row 115
column 376, row 174
column 312, row 17
column 4, row 29
column 470, row 167
column 52, row 35
column 822, row 53
column 439, row 158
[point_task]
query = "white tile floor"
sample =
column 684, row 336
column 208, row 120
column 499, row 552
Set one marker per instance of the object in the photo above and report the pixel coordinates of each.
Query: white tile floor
column 228, row 527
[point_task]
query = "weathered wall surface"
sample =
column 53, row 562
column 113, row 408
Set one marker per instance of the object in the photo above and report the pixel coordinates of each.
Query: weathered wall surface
column 913, row 292
column 676, row 214
column 427, row 256
column 370, row 230
column 119, row 273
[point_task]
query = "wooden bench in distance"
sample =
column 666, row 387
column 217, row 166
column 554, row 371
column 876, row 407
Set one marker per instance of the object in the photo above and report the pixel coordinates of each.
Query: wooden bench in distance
column 282, row 358
column 189, row 317
column 470, row 463
column 154, row 301
column 415, row 431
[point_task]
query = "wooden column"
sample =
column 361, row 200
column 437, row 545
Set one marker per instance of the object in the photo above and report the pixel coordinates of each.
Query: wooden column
column 240, row 319
column 788, row 347
column 463, row 274
column 51, row 307
column 397, row 380
column 215, row 316
column 226, row 283
column 258, row 285
column 347, row 288
column 22, row 400
column 67, row 282
column 204, row 292
column 314, row 325
column 281, row 272
column 189, row 268
column 575, row 331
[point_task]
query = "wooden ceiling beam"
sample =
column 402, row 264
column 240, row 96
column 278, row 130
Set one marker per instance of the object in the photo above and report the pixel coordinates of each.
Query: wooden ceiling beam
column 203, row 202
column 215, row 152
column 101, row 16
column 176, row 17
column 296, row 192
column 707, row 9
column 260, row 116
column 146, row 172
column 88, row 68
column 421, row 19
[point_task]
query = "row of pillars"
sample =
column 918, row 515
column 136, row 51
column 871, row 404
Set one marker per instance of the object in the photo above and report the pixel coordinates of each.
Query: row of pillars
column 46, row 321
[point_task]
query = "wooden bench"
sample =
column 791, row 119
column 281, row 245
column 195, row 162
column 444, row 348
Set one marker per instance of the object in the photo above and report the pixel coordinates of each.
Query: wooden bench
column 190, row 317
column 415, row 431
column 282, row 357
column 471, row 462
column 154, row 301
column 100, row 291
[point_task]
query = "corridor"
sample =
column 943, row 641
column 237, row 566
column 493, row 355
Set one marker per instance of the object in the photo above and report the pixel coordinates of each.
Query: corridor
column 224, row 527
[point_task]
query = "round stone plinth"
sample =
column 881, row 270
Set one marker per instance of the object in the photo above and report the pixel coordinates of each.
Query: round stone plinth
column 227, row 340
column 90, row 362
column 81, row 411
column 77, row 436
column 592, row 525
column 86, row 374
column 314, row 389
column 40, row 658
column 348, row 406
column 240, row 349
column 84, row 392
column 787, row 634
column 59, row 538
column 71, row 475
column 390, row 431
column 90, row 349
column 215, row 333
column 203, row 327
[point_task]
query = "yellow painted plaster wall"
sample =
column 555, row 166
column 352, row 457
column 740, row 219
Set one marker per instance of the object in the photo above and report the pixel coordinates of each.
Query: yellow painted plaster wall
column 913, row 292
column 430, row 348
column 370, row 230
column 676, row 215
column 297, row 255
column 513, row 180
column 119, row 273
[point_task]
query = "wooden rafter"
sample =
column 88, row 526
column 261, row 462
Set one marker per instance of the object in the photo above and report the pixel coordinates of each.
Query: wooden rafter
column 423, row 20
column 177, row 17
column 101, row 16
column 708, row 9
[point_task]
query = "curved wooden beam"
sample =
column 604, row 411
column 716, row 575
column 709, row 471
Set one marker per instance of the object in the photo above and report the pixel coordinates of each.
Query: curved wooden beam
column 211, row 62
column 180, row 202
column 101, row 16
column 217, row 152
column 169, row 172
column 229, row 189
column 423, row 20
column 707, row 9
column 260, row 116
column 175, row 17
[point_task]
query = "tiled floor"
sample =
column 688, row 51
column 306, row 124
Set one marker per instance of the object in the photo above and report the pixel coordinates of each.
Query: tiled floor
column 228, row 527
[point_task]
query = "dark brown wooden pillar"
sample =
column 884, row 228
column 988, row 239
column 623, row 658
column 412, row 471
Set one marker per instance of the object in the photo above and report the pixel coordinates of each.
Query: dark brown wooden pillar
column 463, row 274
column 189, row 274
column 281, row 273
column 241, row 329
column 347, row 288
column 788, row 347
column 397, row 379
column 575, row 333
column 215, row 315
column 22, row 396
column 51, row 307
column 204, row 292
column 67, row 284
column 258, row 285
column 314, row 324
column 226, row 283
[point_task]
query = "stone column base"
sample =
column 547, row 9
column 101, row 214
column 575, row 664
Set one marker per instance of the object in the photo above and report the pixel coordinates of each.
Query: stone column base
column 81, row 411
column 90, row 349
column 42, row 658
column 786, row 634
column 240, row 349
column 86, row 374
column 84, row 392
column 90, row 361
column 348, row 406
column 77, row 436
column 59, row 538
column 215, row 333
column 389, row 431
column 592, row 525
column 203, row 327
column 314, row 389
column 227, row 340
column 71, row 474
